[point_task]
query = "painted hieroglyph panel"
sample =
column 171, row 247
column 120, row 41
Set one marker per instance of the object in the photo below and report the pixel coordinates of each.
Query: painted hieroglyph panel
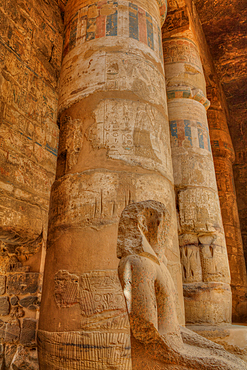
column 111, row 18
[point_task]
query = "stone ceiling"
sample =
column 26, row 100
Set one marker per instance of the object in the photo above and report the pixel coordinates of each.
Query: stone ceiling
column 224, row 23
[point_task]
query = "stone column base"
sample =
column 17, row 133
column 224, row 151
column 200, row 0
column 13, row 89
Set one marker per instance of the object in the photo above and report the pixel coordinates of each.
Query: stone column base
column 232, row 337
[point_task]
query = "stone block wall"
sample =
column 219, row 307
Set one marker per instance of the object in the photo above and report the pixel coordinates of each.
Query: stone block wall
column 31, row 36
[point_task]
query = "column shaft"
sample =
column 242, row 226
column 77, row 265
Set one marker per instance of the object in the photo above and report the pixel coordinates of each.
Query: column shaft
column 114, row 149
column 223, row 154
column 202, row 241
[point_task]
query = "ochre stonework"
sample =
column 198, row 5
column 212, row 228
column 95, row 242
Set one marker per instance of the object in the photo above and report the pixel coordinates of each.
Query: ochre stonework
column 151, row 111
column 31, row 37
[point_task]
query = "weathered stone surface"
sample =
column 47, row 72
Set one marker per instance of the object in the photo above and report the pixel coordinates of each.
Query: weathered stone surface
column 14, row 301
column 12, row 332
column 231, row 337
column 2, row 284
column 4, row 306
column 25, row 359
column 2, row 329
column 28, row 301
column 23, row 283
column 28, row 332
column 10, row 350
column 17, row 312
column 157, row 340
column 31, row 35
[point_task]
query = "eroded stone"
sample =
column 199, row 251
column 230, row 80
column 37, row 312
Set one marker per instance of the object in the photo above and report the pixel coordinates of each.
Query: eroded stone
column 23, row 283
column 4, row 306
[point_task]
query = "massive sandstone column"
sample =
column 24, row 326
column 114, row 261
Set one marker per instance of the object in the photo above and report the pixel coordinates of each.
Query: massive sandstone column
column 224, row 157
column 202, row 240
column 114, row 149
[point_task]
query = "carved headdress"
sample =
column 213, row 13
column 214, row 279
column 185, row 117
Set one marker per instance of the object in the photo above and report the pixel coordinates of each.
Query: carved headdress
column 137, row 222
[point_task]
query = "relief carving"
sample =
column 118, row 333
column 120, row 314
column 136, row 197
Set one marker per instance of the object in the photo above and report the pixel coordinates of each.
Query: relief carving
column 66, row 289
column 156, row 337
column 213, row 257
column 191, row 263
column 98, row 294
column 104, row 340
column 132, row 131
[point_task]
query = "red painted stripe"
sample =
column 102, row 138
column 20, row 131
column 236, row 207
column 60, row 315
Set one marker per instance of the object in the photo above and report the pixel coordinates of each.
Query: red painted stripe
column 101, row 3
column 142, row 26
column 100, row 26
column 205, row 139
column 163, row 9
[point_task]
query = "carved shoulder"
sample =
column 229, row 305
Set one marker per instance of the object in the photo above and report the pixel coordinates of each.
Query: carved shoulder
column 137, row 267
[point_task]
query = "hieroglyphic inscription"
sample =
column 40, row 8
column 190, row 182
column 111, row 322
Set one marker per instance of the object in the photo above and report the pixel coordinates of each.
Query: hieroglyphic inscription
column 128, row 72
column 98, row 294
column 134, row 132
column 191, row 263
column 198, row 210
column 85, row 350
column 66, row 289
column 111, row 71
column 181, row 50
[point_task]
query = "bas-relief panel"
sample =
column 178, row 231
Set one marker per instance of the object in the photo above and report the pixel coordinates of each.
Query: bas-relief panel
column 98, row 198
column 84, row 351
column 193, row 169
column 104, row 339
column 204, row 259
column 104, row 71
column 199, row 210
column 98, row 295
column 134, row 73
column 134, row 132
column 181, row 50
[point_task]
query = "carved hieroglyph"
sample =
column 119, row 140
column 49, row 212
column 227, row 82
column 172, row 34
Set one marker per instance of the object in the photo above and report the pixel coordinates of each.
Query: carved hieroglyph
column 157, row 340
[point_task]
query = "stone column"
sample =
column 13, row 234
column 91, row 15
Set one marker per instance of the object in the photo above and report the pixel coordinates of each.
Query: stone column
column 114, row 149
column 202, row 241
column 224, row 157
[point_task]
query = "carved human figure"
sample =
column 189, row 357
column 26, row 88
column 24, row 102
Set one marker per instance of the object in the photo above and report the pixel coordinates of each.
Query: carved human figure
column 157, row 340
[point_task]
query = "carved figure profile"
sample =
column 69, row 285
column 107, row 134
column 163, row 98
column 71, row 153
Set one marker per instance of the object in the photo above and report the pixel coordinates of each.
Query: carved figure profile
column 157, row 340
